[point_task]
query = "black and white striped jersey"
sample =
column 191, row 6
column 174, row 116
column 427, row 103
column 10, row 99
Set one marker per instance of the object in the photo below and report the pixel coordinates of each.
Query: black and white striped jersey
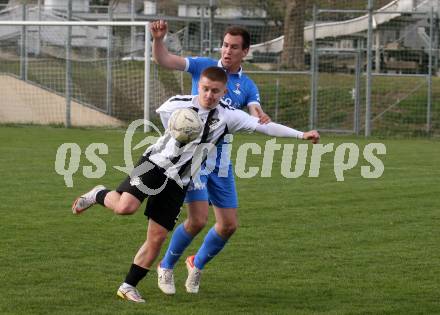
column 182, row 161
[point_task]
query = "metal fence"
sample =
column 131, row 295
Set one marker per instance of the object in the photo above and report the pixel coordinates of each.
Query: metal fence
column 384, row 77
column 369, row 70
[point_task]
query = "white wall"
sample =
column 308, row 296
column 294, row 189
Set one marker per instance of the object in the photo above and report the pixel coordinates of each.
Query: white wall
column 221, row 12
column 149, row 7
column 78, row 5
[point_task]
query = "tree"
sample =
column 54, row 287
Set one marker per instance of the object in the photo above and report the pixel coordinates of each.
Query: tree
column 292, row 56
column 275, row 11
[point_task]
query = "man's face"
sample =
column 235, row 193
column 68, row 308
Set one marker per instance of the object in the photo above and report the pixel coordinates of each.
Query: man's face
column 232, row 51
column 210, row 92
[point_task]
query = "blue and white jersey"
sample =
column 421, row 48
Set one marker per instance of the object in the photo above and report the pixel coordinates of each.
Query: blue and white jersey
column 242, row 91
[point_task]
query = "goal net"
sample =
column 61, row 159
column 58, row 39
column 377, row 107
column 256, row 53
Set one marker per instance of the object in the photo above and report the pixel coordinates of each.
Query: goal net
column 73, row 73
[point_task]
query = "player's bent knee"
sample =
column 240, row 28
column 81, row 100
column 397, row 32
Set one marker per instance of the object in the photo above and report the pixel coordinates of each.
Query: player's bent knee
column 157, row 239
column 197, row 224
column 125, row 208
column 226, row 230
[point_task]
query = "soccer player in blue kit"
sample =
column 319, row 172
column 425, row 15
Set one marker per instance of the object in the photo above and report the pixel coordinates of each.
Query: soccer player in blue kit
column 218, row 187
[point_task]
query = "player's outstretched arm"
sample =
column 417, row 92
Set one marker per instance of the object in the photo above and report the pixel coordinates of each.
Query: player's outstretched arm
column 161, row 54
column 312, row 135
column 277, row 130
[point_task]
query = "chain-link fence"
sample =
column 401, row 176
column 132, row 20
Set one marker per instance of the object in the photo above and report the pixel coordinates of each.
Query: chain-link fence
column 331, row 88
column 402, row 53
column 365, row 67
column 78, row 75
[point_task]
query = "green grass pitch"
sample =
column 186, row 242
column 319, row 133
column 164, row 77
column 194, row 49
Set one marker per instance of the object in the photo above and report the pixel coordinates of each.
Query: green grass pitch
column 304, row 246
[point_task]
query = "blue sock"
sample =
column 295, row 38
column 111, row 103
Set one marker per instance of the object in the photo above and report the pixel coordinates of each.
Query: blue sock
column 179, row 242
column 212, row 245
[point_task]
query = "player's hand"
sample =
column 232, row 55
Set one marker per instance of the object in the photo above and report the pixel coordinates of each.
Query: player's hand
column 264, row 118
column 158, row 29
column 312, row 135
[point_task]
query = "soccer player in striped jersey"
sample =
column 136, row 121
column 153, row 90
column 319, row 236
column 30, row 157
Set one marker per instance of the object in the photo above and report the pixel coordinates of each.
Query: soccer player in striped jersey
column 165, row 169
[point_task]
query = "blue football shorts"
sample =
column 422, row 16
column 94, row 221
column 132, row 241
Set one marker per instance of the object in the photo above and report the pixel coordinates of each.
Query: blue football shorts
column 219, row 191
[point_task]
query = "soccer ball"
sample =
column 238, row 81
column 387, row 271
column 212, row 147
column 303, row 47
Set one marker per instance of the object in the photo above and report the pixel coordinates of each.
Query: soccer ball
column 185, row 125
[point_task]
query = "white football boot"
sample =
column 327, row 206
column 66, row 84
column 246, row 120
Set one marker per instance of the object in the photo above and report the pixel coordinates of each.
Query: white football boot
column 192, row 283
column 165, row 280
column 129, row 293
column 87, row 200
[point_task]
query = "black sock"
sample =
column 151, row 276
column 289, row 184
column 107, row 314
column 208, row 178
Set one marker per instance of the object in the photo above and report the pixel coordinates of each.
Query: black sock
column 100, row 196
column 135, row 275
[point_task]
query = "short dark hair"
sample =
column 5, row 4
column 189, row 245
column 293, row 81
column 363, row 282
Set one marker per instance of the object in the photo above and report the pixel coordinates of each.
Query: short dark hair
column 215, row 74
column 239, row 31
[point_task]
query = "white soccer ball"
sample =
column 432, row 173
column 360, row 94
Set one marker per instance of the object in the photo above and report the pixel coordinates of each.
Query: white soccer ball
column 185, row 125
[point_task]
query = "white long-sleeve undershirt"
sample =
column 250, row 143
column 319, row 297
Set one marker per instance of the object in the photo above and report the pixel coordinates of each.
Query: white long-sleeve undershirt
column 277, row 130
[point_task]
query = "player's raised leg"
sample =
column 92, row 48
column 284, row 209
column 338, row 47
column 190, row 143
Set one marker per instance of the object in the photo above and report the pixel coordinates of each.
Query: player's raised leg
column 83, row 202
column 121, row 203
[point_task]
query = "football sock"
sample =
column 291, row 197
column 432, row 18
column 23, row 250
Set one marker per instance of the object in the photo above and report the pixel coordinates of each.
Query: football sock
column 179, row 242
column 212, row 245
column 135, row 274
column 100, row 196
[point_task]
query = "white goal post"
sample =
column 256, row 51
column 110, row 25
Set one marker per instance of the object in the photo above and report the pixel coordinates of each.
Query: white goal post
column 147, row 54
